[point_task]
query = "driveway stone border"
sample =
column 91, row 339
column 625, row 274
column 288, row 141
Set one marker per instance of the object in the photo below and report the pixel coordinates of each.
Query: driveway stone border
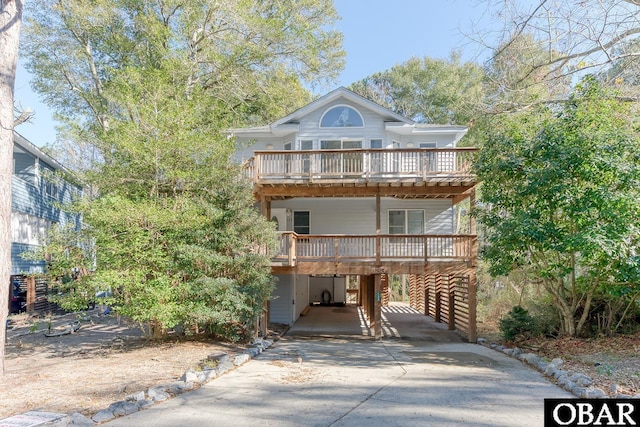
column 576, row 383
column 140, row 400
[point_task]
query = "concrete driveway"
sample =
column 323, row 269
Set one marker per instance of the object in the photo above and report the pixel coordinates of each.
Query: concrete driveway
column 351, row 381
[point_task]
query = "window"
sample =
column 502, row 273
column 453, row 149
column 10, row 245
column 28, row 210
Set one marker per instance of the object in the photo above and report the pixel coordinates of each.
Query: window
column 341, row 116
column 301, row 222
column 286, row 145
column 375, row 143
column 51, row 189
column 428, row 145
column 331, row 144
column 339, row 163
column 306, row 144
column 406, row 221
column 340, row 144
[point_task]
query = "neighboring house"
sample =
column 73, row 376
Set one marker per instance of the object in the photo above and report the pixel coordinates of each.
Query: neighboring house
column 358, row 190
column 38, row 193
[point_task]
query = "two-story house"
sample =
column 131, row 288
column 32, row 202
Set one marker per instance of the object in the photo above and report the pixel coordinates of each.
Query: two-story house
column 37, row 198
column 358, row 190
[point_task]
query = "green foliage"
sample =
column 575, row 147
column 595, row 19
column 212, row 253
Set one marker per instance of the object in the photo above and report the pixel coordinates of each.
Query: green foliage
column 498, row 295
column 518, row 323
column 240, row 62
column 561, row 195
column 429, row 90
column 153, row 87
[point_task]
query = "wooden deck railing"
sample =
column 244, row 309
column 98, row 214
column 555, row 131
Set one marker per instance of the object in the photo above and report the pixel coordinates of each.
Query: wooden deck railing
column 310, row 165
column 295, row 248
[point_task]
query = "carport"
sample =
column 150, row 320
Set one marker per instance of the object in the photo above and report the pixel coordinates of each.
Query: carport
column 398, row 320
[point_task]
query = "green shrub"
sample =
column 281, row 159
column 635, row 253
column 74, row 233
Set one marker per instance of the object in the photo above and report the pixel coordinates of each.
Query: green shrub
column 517, row 323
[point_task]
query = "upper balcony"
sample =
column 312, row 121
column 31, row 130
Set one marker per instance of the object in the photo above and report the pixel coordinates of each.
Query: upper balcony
column 396, row 253
column 437, row 172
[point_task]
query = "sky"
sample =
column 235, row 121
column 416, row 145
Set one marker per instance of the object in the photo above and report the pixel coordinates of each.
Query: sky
column 378, row 34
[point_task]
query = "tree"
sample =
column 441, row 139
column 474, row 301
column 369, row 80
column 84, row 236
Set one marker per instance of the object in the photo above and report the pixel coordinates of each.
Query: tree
column 515, row 80
column 151, row 86
column 578, row 37
column 560, row 197
column 10, row 23
column 428, row 90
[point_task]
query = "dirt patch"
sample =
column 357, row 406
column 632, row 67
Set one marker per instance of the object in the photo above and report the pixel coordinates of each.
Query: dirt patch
column 106, row 359
column 612, row 362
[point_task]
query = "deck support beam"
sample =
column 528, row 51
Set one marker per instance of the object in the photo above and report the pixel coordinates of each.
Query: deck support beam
column 262, row 321
column 377, row 311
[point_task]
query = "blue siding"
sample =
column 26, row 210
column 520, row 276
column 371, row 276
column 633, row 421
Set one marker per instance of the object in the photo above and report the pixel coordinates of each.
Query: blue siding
column 20, row 265
column 35, row 195
column 32, row 200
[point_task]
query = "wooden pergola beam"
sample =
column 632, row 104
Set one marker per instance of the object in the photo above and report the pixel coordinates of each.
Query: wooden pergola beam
column 440, row 191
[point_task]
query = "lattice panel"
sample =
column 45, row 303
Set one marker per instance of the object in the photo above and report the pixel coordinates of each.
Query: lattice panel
column 413, row 301
column 461, row 296
column 384, row 289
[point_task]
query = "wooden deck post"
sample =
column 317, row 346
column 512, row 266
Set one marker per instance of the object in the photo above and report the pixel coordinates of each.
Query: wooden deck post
column 427, row 281
column 371, row 297
column 377, row 318
column 378, row 226
column 265, row 207
column 31, row 294
column 292, row 241
column 438, row 298
column 451, row 324
column 473, row 332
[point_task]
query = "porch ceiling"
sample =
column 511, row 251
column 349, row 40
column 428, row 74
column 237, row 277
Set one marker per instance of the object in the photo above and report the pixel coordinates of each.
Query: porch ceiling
column 365, row 268
column 403, row 189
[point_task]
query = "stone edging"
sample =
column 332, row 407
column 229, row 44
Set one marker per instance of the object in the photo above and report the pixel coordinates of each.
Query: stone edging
column 190, row 380
column 576, row 383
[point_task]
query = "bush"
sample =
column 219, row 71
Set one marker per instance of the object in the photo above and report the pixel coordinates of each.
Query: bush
column 517, row 323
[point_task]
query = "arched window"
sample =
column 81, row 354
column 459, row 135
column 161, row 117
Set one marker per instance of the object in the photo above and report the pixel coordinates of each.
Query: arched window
column 341, row 116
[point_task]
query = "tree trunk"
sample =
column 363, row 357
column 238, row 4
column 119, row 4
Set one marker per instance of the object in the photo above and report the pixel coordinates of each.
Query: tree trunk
column 10, row 22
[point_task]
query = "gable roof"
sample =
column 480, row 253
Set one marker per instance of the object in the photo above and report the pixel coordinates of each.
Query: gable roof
column 394, row 122
column 20, row 143
column 345, row 93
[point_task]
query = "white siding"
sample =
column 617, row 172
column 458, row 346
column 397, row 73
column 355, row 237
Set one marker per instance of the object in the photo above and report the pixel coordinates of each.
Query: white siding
column 358, row 215
column 281, row 302
column 438, row 213
column 317, row 285
column 335, row 285
column 442, row 140
column 374, row 128
column 302, row 294
column 310, row 126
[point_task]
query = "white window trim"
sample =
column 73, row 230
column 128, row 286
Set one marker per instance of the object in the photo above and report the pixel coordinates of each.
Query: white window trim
column 341, row 127
column 428, row 144
column 376, row 139
column 342, row 141
column 299, row 143
column 406, row 219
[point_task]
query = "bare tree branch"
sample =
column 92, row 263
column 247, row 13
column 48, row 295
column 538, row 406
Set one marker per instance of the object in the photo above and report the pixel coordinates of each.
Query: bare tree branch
column 24, row 115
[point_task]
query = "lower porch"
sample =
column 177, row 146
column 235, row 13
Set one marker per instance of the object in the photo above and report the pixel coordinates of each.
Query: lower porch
column 447, row 296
